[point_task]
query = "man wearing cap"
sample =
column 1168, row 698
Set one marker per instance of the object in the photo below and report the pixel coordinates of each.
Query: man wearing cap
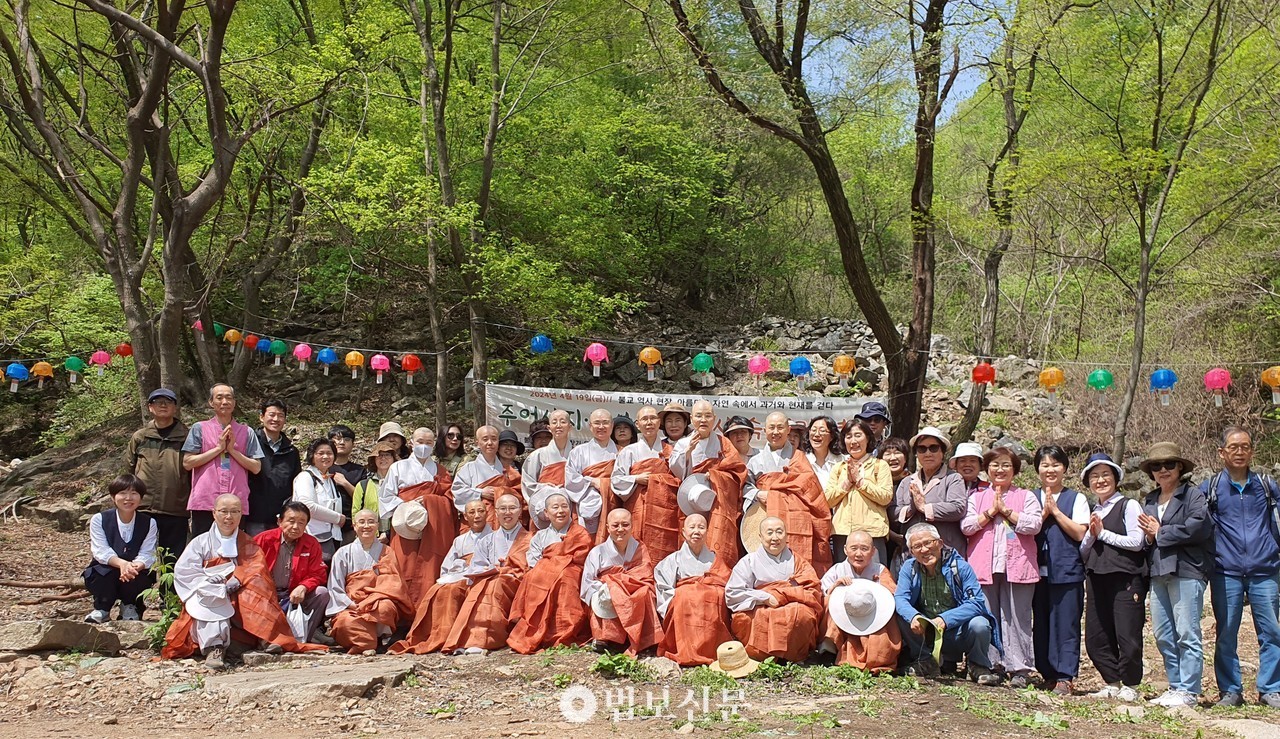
column 858, row 625
column 781, row 480
column 967, row 463
column 775, row 597
column 420, row 479
column 674, row 420
column 740, row 431
column 643, row 482
column 485, row 478
column 690, row 598
column 933, row 493
column 1242, row 504
column 221, row 575
column 547, row 609
column 154, row 455
column 494, row 575
column 543, row 472
column 272, row 485
column 618, row 589
column 587, row 470
column 220, row 453
column 393, row 433
column 440, row 605
column 706, row 451
column 877, row 417
column 938, row 596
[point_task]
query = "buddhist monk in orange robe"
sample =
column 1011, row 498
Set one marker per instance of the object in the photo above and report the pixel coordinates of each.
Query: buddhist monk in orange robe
column 547, row 609
column 366, row 594
column 690, row 584
column 642, row 483
column 876, row 652
column 483, row 621
column 706, row 450
column 419, row 561
column 781, row 479
column 618, row 589
column 776, row 598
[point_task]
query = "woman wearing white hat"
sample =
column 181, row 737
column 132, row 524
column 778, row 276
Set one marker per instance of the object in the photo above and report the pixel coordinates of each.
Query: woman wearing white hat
column 933, row 493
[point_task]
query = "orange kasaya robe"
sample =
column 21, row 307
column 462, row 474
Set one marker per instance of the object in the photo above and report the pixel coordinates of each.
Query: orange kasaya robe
column 788, row 630
column 634, row 595
column 258, row 615
column 419, row 561
column 484, row 618
column 697, row 619
column 547, row 610
column 601, row 473
column 727, row 476
column 655, row 515
column 436, row 613
column 379, row 599
column 796, row 497
column 876, row 652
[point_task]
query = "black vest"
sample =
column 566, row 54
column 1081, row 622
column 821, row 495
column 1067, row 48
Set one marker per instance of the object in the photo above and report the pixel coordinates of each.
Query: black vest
column 1059, row 553
column 1104, row 559
column 126, row 550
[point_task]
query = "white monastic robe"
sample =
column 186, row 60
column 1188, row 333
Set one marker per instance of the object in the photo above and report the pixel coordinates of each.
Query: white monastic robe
column 349, row 558
column 583, row 493
column 677, row 566
column 844, row 569
column 492, row 550
column 624, row 483
column 466, row 484
column 192, row 582
column 535, row 493
column 766, row 461
column 758, row 567
column 460, row 555
column 543, row 539
column 681, row 462
column 402, row 474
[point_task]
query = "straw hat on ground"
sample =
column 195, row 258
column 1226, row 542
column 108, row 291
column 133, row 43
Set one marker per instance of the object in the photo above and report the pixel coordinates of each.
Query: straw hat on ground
column 732, row 660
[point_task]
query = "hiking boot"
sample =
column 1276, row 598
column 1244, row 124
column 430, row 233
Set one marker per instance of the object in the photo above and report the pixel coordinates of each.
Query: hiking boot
column 1063, row 687
column 1270, row 699
column 215, row 658
column 1229, row 700
column 97, row 617
column 983, row 675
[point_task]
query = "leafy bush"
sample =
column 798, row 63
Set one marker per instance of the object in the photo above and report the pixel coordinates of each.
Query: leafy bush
column 622, row 666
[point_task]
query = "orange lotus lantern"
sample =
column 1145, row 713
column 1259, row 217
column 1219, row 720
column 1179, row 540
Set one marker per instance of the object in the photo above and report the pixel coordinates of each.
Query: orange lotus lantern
column 41, row 370
column 1271, row 378
column 1052, row 378
column 233, row 338
column 354, row 360
column 650, row 357
column 844, row 365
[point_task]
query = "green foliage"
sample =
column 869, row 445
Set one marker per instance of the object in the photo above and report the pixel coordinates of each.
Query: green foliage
column 164, row 598
column 92, row 402
column 614, row 666
column 703, row 676
column 562, row 680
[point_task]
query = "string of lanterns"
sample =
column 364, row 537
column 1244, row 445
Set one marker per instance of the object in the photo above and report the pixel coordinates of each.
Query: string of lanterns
column 1217, row 381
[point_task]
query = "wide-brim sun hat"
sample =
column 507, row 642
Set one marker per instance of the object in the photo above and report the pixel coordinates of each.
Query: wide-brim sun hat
column 741, row 427
column 933, row 432
column 409, row 520
column 673, row 407
column 967, row 449
column 512, row 437
column 749, row 528
column 383, row 446
column 695, row 494
column 1165, row 451
column 389, row 428
column 601, row 606
column 863, row 607
column 732, row 659
column 1101, row 459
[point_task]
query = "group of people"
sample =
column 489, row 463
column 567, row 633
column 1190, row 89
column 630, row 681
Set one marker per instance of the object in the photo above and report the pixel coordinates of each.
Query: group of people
column 672, row 533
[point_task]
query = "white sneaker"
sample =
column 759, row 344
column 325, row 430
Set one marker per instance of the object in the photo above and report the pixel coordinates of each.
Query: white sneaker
column 1108, row 691
column 1127, row 694
column 97, row 617
column 129, row 613
column 1167, row 698
column 474, row 650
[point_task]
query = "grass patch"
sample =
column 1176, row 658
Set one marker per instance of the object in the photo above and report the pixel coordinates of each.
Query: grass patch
column 551, row 654
column 562, row 680
column 703, row 676
column 622, row 666
column 991, row 710
column 817, row 719
column 449, row 708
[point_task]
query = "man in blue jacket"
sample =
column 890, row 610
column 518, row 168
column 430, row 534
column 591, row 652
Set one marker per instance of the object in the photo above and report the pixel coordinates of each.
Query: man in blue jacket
column 1243, row 506
column 939, row 592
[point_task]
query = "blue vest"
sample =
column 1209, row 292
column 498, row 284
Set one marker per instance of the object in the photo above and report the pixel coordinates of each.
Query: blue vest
column 1059, row 553
column 126, row 550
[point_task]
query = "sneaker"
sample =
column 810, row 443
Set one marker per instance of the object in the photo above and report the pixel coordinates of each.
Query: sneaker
column 475, row 650
column 1190, row 700
column 1127, row 694
column 1229, row 700
column 1108, row 691
column 270, row 647
column 129, row 613
column 97, row 617
column 1270, row 699
column 983, row 675
column 1063, row 687
column 1019, row 681
column 923, row 668
column 214, row 658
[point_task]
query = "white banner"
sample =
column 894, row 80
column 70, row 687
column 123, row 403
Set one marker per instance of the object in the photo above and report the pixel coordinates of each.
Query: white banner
column 515, row 407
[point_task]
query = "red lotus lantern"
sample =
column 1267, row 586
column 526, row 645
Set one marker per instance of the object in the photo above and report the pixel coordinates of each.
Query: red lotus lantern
column 251, row 342
column 124, row 350
column 410, row 364
column 984, row 374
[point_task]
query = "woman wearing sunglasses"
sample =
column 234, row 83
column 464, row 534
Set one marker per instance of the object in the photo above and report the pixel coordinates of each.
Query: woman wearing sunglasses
column 449, row 450
column 1179, row 534
column 934, row 493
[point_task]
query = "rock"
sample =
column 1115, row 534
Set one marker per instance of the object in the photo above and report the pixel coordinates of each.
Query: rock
column 36, row 681
column 132, row 633
column 47, row 634
column 1133, row 712
column 1003, row 404
column 328, row 683
column 1247, row 728
column 65, row 513
column 686, row 728
column 1014, row 446
column 867, row 375
column 663, row 666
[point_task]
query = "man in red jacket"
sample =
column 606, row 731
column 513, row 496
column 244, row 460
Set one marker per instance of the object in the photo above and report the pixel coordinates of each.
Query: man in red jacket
column 297, row 568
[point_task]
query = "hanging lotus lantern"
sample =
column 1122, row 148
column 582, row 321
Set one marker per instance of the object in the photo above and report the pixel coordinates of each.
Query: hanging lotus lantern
column 410, row 363
column 1162, row 382
column 801, row 368
column 233, row 338
column 75, row 367
column 758, row 366
column 1271, row 378
column 379, row 363
column 650, row 357
column 124, row 349
column 984, row 374
column 596, row 353
column 540, row 344
column 327, row 358
column 703, row 363
column 1052, row 378
column 354, row 360
column 16, row 372
column 42, row 371
column 100, row 359
column 278, row 349
column 302, row 353
column 1217, row 381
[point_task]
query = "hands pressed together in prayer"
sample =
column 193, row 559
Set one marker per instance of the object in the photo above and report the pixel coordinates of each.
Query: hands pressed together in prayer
column 1095, row 525
column 917, row 495
column 1150, row 525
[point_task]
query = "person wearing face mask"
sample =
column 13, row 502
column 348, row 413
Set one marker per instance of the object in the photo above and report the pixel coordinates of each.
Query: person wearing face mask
column 420, row 480
column 775, row 597
column 783, row 483
column 313, row 487
column 859, row 625
column 1058, row 602
column 690, row 598
column 643, row 482
column 363, row 617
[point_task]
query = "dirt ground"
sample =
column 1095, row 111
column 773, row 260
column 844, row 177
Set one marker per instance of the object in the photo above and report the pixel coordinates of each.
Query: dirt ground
column 509, row 695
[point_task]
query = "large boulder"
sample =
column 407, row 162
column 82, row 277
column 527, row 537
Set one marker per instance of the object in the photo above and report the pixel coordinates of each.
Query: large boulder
column 52, row 634
column 328, row 683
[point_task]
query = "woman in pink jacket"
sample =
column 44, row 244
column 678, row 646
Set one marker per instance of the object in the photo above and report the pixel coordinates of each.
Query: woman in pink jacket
column 1002, row 522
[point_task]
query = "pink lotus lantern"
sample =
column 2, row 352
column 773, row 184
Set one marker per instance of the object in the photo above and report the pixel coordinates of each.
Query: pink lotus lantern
column 1216, row 381
column 758, row 366
column 198, row 327
column 101, row 359
column 302, row 353
column 380, row 363
column 595, row 354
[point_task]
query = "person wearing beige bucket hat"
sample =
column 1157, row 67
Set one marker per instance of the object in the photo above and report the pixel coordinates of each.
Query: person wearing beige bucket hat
column 732, row 659
column 1179, row 534
column 674, row 420
column 933, row 493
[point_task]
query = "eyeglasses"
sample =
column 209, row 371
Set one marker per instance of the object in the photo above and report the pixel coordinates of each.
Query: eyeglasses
column 1168, row 464
column 1238, row 447
column 923, row 546
column 929, row 449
